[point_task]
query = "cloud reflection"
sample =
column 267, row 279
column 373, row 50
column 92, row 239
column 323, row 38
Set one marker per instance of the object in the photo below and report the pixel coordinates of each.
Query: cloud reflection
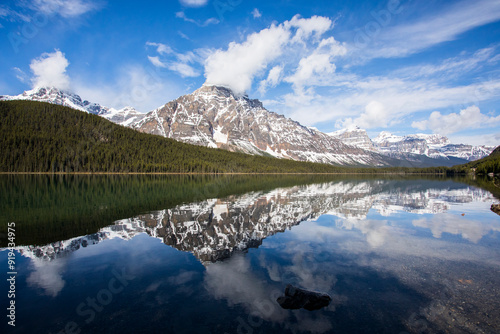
column 471, row 230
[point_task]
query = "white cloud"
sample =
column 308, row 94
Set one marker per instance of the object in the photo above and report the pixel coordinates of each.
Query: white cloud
column 183, row 69
column 488, row 139
column 205, row 23
column 176, row 62
column 402, row 40
column 256, row 13
column 238, row 65
column 314, row 26
column 375, row 116
column 273, row 79
column 241, row 63
column 65, row 8
column 156, row 61
column 310, row 68
column 318, row 67
column 469, row 118
column 13, row 15
column 50, row 70
column 161, row 48
column 193, row 3
column 348, row 96
column 452, row 67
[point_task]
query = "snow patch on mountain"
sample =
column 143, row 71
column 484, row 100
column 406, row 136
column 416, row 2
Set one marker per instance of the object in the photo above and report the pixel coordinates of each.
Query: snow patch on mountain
column 214, row 116
column 431, row 145
column 124, row 116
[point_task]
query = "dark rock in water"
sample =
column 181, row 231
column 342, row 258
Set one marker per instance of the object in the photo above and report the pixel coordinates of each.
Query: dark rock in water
column 495, row 208
column 296, row 298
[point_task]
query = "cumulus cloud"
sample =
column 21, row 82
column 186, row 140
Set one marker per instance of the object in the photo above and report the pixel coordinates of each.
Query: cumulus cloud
column 375, row 115
column 314, row 26
column 241, row 63
column 469, row 118
column 193, row 3
column 238, row 65
column 318, row 67
column 50, row 70
column 273, row 78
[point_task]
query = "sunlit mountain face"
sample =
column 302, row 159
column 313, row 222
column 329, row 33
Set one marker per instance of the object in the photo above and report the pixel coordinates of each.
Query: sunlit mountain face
column 402, row 254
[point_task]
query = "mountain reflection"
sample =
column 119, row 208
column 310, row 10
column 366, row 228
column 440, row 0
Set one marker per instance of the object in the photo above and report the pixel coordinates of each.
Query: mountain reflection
column 214, row 229
column 401, row 255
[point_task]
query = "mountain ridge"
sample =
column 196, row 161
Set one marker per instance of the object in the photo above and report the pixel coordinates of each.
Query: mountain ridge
column 214, row 116
column 43, row 137
column 68, row 99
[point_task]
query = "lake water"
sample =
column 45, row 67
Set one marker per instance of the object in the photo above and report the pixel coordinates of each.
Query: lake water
column 185, row 254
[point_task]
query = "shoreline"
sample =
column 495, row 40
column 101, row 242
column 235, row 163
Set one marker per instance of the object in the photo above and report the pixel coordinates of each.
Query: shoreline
column 218, row 174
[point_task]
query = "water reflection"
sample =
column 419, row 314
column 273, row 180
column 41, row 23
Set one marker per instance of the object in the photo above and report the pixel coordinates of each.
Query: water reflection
column 395, row 256
column 213, row 229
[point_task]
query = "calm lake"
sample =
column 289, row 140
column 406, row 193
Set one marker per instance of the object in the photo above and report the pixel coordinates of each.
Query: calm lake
column 203, row 254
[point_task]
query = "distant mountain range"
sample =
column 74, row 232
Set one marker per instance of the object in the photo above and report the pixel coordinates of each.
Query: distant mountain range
column 214, row 116
column 422, row 148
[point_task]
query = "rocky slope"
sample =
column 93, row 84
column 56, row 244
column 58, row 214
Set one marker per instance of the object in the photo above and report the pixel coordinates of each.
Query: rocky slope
column 215, row 117
column 65, row 98
column 356, row 137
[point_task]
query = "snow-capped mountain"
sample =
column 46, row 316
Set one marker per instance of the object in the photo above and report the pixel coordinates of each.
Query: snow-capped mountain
column 214, row 116
column 422, row 149
column 68, row 99
column 60, row 97
column 354, row 136
column 125, row 116
column 434, row 146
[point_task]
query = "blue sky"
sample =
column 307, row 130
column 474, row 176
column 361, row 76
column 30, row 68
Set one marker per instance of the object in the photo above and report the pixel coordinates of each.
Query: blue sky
column 398, row 66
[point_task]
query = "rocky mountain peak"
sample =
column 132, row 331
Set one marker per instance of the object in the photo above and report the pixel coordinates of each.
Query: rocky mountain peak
column 54, row 95
column 215, row 116
column 210, row 92
column 354, row 136
column 61, row 97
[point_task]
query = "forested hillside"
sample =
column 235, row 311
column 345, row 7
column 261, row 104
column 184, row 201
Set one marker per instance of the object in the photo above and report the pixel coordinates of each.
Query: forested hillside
column 42, row 137
column 490, row 164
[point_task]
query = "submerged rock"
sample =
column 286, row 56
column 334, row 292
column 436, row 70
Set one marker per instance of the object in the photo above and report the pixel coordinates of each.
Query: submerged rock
column 495, row 208
column 296, row 298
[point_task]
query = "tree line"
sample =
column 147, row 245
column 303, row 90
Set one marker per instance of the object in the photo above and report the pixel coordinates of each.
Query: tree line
column 43, row 137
